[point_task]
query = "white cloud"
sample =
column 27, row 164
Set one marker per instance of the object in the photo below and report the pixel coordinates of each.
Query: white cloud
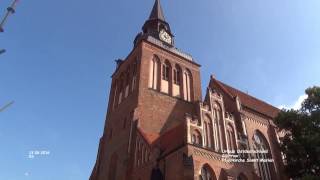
column 296, row 105
column 26, row 174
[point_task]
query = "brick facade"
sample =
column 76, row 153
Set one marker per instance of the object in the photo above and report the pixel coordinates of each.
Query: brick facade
column 159, row 127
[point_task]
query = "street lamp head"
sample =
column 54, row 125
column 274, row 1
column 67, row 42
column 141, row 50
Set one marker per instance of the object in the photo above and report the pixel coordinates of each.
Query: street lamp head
column 2, row 51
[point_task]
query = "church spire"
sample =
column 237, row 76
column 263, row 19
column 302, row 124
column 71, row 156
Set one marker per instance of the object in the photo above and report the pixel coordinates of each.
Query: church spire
column 156, row 26
column 157, row 12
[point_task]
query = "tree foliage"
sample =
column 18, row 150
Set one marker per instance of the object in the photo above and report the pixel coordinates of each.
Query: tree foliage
column 301, row 142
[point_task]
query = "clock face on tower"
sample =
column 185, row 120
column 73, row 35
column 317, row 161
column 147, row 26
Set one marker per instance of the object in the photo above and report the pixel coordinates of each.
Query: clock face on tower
column 164, row 36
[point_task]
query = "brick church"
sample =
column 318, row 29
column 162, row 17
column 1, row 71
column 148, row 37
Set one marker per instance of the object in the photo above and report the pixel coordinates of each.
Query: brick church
column 159, row 127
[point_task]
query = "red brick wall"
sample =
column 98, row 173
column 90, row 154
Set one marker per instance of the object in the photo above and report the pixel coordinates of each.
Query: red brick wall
column 161, row 114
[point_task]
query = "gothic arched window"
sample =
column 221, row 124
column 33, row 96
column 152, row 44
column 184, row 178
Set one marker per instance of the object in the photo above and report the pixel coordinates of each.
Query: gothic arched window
column 134, row 74
column 208, row 132
column 187, row 84
column 217, row 123
column 231, row 137
column 166, row 77
column 176, row 75
column 207, row 173
column 196, row 138
column 153, row 73
column 260, row 144
column 176, row 90
column 166, row 71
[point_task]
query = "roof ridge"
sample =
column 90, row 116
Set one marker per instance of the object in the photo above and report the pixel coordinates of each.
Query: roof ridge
column 223, row 88
column 224, row 84
column 247, row 100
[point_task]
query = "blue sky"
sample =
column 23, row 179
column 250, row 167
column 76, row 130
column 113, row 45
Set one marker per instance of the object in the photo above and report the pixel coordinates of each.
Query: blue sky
column 60, row 55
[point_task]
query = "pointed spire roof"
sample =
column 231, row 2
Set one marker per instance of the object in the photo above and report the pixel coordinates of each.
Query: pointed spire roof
column 157, row 12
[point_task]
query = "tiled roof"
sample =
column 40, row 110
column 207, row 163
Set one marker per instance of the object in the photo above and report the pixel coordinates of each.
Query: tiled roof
column 250, row 102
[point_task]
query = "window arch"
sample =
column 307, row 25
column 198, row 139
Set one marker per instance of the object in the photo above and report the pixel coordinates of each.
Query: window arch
column 260, row 144
column 223, row 174
column 187, row 84
column 166, row 77
column 166, row 70
column 208, row 131
column 176, row 81
column 134, row 74
column 231, row 137
column 177, row 75
column 207, row 173
column 153, row 72
column 217, row 126
column 196, row 138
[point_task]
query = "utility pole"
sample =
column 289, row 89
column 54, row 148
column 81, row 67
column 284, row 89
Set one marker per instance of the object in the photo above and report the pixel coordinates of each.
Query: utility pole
column 10, row 10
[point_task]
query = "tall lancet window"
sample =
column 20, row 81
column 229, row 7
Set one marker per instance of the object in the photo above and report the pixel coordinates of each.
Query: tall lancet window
column 196, row 138
column 231, row 137
column 165, row 82
column 134, row 74
column 217, row 121
column 153, row 73
column 187, row 83
column 208, row 132
column 260, row 144
column 166, row 71
column 176, row 81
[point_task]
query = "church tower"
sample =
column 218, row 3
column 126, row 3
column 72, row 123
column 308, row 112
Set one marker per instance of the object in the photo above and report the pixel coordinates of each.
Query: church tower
column 150, row 92
column 157, row 126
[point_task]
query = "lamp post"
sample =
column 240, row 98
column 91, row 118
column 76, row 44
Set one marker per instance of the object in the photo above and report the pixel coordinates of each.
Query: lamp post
column 10, row 10
column 2, row 51
column 6, row 106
